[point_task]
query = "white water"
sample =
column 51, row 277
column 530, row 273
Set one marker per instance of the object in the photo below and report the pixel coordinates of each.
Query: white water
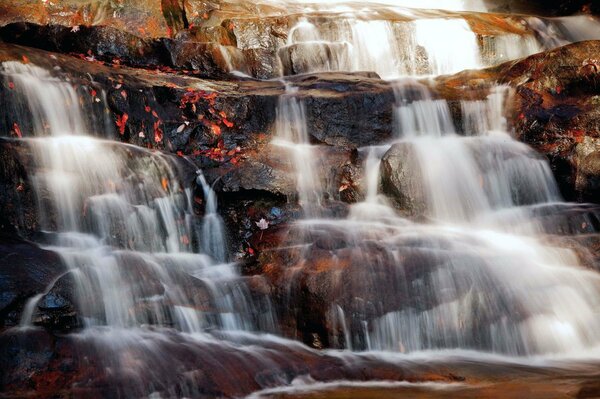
column 488, row 281
column 387, row 48
column 292, row 137
column 123, row 223
column 395, row 42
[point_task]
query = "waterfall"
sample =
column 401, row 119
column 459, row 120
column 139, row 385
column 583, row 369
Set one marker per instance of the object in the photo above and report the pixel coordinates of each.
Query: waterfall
column 485, row 280
column 292, row 136
column 122, row 222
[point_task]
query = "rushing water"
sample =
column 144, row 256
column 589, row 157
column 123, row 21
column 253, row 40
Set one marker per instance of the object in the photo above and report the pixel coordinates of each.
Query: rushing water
column 480, row 284
column 124, row 224
column 472, row 263
column 394, row 41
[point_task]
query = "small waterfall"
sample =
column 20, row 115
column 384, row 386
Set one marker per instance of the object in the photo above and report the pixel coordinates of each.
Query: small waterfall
column 122, row 222
column 391, row 49
column 213, row 235
column 292, row 135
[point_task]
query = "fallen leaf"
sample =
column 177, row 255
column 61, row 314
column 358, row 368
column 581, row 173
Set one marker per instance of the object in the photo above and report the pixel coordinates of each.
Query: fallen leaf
column 121, row 122
column 180, row 128
column 17, row 130
column 215, row 129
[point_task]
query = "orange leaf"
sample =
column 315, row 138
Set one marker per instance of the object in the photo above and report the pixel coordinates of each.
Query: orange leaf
column 165, row 183
column 227, row 123
column 158, row 133
column 121, row 122
column 215, row 129
column 17, row 130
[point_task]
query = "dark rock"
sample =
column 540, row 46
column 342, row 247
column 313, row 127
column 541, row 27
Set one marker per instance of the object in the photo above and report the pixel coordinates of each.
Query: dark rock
column 103, row 42
column 25, row 271
column 17, row 199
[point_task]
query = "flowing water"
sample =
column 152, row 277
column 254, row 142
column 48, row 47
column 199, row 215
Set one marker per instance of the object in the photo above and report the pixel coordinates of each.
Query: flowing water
column 394, row 41
column 124, row 223
column 478, row 285
column 472, row 265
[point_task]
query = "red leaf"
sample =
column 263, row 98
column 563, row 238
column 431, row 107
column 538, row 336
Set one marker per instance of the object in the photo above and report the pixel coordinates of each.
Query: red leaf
column 158, row 133
column 25, row 59
column 93, row 93
column 11, row 85
column 227, row 123
column 121, row 122
column 17, row 130
column 147, row 108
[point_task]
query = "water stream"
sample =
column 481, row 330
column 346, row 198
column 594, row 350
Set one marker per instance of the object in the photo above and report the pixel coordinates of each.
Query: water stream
column 468, row 262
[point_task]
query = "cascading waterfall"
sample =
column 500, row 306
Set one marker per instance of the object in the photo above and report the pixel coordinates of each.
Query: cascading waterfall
column 456, row 244
column 292, row 136
column 482, row 281
column 123, row 223
column 368, row 40
column 390, row 49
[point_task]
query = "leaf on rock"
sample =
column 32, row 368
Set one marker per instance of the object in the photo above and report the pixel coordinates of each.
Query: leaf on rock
column 121, row 122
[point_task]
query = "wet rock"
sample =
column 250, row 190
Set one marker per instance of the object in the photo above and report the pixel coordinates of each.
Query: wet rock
column 400, row 178
column 556, row 112
column 103, row 364
column 309, row 57
column 140, row 17
column 102, row 42
column 25, row 271
column 17, row 199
